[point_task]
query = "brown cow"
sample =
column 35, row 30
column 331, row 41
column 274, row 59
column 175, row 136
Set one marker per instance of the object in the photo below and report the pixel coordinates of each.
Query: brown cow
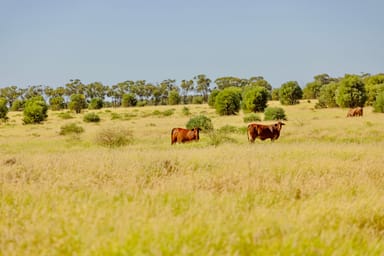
column 355, row 112
column 182, row 135
column 264, row 132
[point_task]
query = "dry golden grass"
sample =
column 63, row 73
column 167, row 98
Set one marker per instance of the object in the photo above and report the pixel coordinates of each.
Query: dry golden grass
column 318, row 190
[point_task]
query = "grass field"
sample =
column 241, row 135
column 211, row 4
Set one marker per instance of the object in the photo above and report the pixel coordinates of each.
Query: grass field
column 317, row 190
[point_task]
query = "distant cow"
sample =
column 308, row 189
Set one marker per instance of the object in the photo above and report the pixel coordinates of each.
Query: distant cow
column 182, row 135
column 355, row 112
column 264, row 132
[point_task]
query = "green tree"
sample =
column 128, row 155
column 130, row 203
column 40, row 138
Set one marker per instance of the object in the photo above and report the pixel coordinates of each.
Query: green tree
column 77, row 102
column 327, row 96
column 203, row 85
column 129, row 100
column 290, row 93
column 351, row 92
column 378, row 105
column 212, row 97
column 275, row 93
column 56, row 103
column 255, row 98
column 312, row 89
column 95, row 103
column 35, row 110
column 3, row 108
column 228, row 101
column 374, row 85
column 186, row 86
column 174, row 97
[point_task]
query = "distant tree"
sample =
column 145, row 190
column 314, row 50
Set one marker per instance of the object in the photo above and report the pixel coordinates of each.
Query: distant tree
column 174, row 97
column 203, row 85
column 75, row 86
column 77, row 102
column 212, row 97
column 275, row 94
column 56, row 103
column 255, row 98
column 18, row 105
column 3, row 108
column 230, row 81
column 327, row 96
column 228, row 101
column 35, row 110
column 312, row 89
column 10, row 93
column 290, row 93
column 378, row 105
column 95, row 103
column 374, row 85
column 186, row 86
column 129, row 100
column 260, row 81
column 351, row 92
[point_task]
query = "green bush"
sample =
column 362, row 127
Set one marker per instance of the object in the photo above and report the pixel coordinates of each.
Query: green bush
column 174, row 97
column 114, row 137
column 77, row 103
column 255, row 99
column 274, row 113
column 71, row 129
column 96, row 103
column 35, row 110
column 91, row 118
column 186, row 111
column 56, row 103
column 129, row 100
column 65, row 115
column 18, row 105
column 201, row 122
column 378, row 105
column 351, row 92
column 253, row 117
column 228, row 101
column 290, row 93
column 216, row 138
column 3, row 108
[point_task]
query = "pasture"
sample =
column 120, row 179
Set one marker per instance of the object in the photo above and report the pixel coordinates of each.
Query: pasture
column 317, row 190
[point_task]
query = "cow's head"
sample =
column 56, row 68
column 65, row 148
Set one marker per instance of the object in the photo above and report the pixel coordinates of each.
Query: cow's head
column 196, row 131
column 278, row 125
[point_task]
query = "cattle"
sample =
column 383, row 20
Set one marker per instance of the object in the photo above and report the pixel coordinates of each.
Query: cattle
column 181, row 135
column 264, row 132
column 355, row 112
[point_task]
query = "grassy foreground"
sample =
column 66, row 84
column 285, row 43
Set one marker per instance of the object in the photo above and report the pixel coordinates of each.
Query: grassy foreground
column 318, row 190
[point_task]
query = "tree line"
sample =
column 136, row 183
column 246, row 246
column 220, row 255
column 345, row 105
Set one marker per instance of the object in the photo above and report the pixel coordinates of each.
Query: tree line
column 227, row 94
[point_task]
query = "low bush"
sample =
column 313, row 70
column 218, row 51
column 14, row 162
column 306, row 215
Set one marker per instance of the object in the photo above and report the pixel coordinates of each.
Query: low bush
column 91, row 118
column 114, row 137
column 200, row 121
column 274, row 113
column 253, row 117
column 71, row 129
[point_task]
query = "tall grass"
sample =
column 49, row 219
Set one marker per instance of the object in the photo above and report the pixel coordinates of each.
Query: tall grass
column 317, row 190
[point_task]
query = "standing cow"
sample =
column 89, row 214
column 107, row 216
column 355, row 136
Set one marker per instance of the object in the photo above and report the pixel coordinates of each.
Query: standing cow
column 181, row 135
column 264, row 132
column 355, row 112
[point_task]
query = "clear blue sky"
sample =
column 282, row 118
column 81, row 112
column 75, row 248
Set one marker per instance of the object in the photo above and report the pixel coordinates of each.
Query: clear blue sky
column 49, row 42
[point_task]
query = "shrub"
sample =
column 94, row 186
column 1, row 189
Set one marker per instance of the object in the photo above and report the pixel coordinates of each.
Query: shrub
column 251, row 118
column 65, row 115
column 71, row 129
column 212, row 97
column 255, row 98
column 96, row 103
column 216, row 138
column 378, row 105
column 228, row 101
column 35, row 110
column 197, row 99
column 91, row 117
column 290, row 93
column 3, row 108
column 56, row 103
column 77, row 103
column 174, row 98
column 351, row 92
column 200, row 121
column 186, row 111
column 18, row 105
column 114, row 137
column 129, row 100
column 274, row 113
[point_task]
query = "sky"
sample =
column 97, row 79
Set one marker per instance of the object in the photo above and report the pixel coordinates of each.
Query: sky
column 49, row 42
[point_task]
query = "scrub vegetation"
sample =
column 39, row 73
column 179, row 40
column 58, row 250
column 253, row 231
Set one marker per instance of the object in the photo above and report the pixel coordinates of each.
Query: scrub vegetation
column 120, row 188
